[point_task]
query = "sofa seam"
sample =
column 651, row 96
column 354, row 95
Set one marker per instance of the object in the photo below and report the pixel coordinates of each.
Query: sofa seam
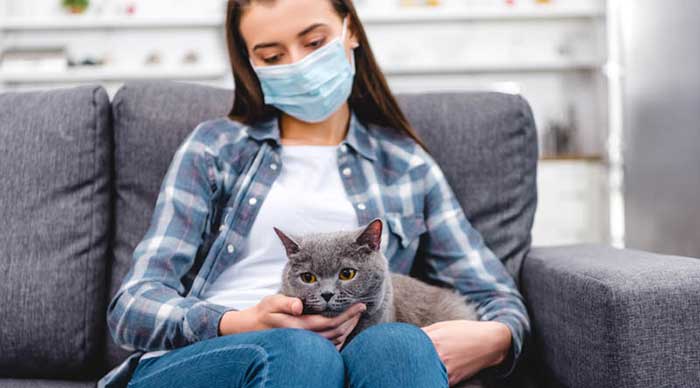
column 114, row 108
column 110, row 237
column 88, row 258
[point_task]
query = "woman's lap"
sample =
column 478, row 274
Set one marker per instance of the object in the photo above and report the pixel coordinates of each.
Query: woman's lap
column 385, row 355
column 393, row 355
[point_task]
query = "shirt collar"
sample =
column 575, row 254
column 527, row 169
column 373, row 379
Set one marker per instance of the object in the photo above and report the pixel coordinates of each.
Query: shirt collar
column 358, row 136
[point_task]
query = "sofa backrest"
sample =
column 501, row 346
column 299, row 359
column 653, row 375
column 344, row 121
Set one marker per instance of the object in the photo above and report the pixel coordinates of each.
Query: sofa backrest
column 55, row 212
column 80, row 177
column 486, row 144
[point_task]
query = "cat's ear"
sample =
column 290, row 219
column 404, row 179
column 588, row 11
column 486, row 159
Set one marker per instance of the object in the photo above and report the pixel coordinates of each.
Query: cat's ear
column 371, row 235
column 290, row 245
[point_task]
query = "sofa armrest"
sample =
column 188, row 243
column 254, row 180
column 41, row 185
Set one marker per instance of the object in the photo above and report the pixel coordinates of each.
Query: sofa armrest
column 607, row 317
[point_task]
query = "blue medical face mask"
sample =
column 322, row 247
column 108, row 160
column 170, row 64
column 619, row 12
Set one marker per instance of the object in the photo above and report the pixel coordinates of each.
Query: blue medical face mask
column 314, row 87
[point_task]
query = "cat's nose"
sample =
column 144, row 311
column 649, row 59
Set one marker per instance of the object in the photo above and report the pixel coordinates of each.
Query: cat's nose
column 327, row 296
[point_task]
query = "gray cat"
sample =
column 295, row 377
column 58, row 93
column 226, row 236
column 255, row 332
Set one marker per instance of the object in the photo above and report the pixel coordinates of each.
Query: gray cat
column 331, row 271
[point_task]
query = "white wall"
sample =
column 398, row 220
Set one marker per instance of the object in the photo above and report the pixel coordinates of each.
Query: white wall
column 552, row 54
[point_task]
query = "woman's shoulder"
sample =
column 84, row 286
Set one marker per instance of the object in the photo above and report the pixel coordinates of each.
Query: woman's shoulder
column 220, row 129
column 220, row 135
column 400, row 152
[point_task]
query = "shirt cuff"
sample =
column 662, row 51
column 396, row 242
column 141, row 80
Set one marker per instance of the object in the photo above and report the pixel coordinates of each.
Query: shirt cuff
column 507, row 366
column 202, row 320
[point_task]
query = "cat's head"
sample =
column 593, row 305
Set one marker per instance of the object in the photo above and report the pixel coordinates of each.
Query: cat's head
column 331, row 271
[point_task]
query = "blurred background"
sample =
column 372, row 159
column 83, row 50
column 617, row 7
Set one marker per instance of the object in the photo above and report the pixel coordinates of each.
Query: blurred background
column 614, row 86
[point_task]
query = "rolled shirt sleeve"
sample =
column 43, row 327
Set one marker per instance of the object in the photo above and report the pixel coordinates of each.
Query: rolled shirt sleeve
column 149, row 311
column 455, row 254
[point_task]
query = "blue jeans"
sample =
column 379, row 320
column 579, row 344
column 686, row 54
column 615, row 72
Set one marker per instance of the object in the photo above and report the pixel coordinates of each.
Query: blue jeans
column 385, row 355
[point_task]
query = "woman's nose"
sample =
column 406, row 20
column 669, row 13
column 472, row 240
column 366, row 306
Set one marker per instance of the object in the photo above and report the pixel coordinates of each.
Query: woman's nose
column 296, row 55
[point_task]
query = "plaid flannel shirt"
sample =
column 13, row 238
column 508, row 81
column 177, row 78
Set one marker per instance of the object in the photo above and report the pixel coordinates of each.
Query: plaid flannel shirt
column 385, row 173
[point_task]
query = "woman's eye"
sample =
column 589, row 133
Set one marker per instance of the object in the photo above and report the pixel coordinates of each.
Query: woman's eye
column 347, row 274
column 308, row 277
column 316, row 43
column 271, row 59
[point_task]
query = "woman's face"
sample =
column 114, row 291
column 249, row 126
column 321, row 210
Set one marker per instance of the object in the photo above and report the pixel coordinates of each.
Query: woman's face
column 285, row 31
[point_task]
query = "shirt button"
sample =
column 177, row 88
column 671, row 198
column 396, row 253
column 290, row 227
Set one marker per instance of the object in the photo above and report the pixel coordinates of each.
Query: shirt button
column 253, row 201
column 361, row 206
column 222, row 227
column 229, row 248
column 273, row 166
column 347, row 171
column 344, row 148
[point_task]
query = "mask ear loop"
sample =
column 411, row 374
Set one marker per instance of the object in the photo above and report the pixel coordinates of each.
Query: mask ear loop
column 345, row 29
column 342, row 42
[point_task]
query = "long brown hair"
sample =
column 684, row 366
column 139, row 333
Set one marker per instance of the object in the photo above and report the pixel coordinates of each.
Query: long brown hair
column 370, row 99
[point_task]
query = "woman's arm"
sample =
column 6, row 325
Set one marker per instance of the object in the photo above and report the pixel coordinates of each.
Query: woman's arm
column 466, row 347
column 149, row 311
column 455, row 254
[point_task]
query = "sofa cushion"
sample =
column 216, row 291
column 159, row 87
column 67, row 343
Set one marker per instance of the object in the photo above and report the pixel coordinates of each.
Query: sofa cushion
column 34, row 383
column 55, row 164
column 485, row 143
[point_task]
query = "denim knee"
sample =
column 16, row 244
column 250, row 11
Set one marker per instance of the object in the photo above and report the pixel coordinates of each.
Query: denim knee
column 314, row 359
column 413, row 339
column 289, row 358
column 394, row 354
column 302, row 344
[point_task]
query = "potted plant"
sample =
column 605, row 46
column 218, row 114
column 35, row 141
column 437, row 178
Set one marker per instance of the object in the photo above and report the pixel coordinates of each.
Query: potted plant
column 76, row 6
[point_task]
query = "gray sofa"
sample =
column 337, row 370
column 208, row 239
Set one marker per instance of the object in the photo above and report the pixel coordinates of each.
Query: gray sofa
column 79, row 177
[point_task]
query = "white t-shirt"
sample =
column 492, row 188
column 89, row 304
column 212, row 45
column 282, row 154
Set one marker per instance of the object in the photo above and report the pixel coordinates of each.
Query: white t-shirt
column 307, row 196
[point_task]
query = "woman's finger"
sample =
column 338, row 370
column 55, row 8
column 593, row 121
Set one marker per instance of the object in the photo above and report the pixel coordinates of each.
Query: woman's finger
column 286, row 320
column 341, row 341
column 316, row 322
column 344, row 329
column 278, row 303
column 337, row 332
column 350, row 313
column 340, row 330
column 331, row 334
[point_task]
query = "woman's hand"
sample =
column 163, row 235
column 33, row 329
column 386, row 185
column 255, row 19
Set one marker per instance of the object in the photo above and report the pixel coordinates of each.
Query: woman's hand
column 282, row 311
column 466, row 347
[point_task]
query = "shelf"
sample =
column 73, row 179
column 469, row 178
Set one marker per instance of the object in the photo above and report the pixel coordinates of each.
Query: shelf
column 427, row 14
column 113, row 74
column 532, row 67
column 87, row 74
column 572, row 158
column 404, row 15
column 117, row 22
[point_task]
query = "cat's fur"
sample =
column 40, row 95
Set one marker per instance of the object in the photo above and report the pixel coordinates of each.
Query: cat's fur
column 389, row 297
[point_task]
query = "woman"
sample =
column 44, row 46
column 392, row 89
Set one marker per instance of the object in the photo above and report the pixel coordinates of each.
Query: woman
column 315, row 141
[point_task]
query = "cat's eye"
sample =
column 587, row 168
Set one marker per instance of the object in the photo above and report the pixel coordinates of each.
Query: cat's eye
column 308, row 277
column 346, row 274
